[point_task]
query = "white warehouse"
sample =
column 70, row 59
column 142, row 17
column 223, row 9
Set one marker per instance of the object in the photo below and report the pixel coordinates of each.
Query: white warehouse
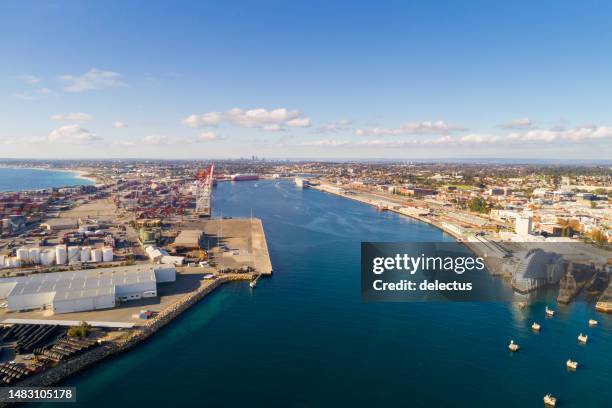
column 84, row 290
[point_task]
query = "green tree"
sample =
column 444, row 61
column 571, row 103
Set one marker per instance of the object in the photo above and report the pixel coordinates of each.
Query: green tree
column 82, row 330
column 478, row 204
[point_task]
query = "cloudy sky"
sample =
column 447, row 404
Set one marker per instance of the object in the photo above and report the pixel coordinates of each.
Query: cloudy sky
column 397, row 79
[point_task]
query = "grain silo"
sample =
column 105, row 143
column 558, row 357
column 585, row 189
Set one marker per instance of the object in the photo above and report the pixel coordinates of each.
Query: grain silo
column 74, row 254
column 61, row 256
column 107, row 254
column 85, row 254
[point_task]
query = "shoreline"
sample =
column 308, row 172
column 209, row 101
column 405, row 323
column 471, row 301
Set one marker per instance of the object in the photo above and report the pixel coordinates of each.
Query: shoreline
column 355, row 197
column 78, row 174
column 460, row 240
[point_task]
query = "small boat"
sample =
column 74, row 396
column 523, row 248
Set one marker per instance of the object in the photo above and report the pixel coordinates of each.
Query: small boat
column 549, row 312
column 571, row 364
column 536, row 326
column 513, row 346
column 593, row 322
column 252, row 284
column 549, row 400
column 583, row 338
column 522, row 305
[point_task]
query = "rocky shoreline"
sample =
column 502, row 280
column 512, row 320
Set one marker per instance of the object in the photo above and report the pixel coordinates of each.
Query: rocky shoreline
column 65, row 369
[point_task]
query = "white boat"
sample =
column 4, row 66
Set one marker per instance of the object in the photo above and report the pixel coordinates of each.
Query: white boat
column 549, row 400
column 571, row 364
column 593, row 322
column 300, row 182
column 583, row 338
column 252, row 284
column 536, row 326
column 549, row 312
column 513, row 346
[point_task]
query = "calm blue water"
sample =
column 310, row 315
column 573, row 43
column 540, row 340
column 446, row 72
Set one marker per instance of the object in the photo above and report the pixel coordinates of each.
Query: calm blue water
column 303, row 338
column 12, row 179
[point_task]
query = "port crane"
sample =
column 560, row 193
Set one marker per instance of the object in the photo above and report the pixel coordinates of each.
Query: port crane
column 204, row 185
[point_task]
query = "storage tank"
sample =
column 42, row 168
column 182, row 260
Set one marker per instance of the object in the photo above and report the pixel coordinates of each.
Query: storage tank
column 107, row 254
column 23, row 254
column 14, row 262
column 47, row 257
column 74, row 254
column 85, row 254
column 61, row 255
column 34, row 255
column 96, row 255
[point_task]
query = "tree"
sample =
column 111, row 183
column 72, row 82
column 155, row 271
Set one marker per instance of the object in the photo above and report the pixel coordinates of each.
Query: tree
column 598, row 236
column 82, row 330
column 478, row 204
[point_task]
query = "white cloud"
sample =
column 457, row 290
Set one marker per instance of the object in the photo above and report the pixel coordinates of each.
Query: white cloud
column 74, row 117
column 160, row 140
column 517, row 124
column 299, row 122
column 120, row 125
column 335, row 127
column 272, row 120
column 208, row 137
column 34, row 95
column 72, row 134
column 326, row 142
column 28, row 79
column 573, row 135
column 568, row 137
column 92, row 79
column 410, row 128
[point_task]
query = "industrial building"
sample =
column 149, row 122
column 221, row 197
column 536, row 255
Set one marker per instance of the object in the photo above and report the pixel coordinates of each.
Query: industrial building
column 537, row 269
column 84, row 290
column 189, row 239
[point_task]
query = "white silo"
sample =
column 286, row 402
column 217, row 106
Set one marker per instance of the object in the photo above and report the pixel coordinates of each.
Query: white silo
column 96, row 255
column 34, row 255
column 85, row 254
column 23, row 254
column 47, row 257
column 14, row 262
column 74, row 254
column 61, row 256
column 107, row 254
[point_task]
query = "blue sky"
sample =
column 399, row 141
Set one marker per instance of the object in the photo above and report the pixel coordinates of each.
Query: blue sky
column 327, row 79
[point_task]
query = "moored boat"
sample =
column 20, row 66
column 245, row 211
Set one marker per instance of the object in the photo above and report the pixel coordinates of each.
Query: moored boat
column 549, row 400
column 571, row 364
column 593, row 322
column 549, row 312
column 513, row 346
column 583, row 338
column 536, row 326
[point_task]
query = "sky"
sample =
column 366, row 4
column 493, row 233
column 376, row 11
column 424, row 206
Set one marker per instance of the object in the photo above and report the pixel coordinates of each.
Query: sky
column 306, row 79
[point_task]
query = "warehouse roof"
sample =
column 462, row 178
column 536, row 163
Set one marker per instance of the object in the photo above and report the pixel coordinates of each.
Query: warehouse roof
column 60, row 223
column 78, row 284
column 189, row 239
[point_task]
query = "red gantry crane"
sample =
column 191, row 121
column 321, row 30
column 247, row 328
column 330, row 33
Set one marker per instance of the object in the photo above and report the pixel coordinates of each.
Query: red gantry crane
column 204, row 186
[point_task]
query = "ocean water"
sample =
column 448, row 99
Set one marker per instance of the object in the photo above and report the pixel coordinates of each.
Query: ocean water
column 303, row 337
column 19, row 179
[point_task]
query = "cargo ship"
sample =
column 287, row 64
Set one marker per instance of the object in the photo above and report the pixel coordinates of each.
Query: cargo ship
column 244, row 177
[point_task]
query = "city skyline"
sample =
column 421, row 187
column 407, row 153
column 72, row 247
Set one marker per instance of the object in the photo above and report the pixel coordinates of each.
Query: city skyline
column 305, row 80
